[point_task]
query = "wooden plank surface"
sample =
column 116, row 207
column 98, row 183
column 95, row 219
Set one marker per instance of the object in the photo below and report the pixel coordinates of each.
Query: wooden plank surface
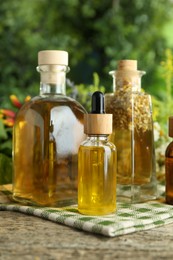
column 27, row 237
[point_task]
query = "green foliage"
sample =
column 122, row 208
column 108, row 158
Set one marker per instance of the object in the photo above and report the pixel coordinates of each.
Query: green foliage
column 5, row 139
column 5, row 169
column 5, row 154
column 163, row 105
column 83, row 92
column 95, row 33
column 3, row 134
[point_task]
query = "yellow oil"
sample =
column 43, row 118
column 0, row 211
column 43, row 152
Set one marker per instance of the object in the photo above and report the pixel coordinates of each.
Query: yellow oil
column 97, row 180
column 47, row 135
column 135, row 166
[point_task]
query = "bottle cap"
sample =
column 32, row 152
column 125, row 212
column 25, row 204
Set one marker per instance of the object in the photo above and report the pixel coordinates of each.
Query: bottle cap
column 127, row 65
column 98, row 123
column 53, row 57
column 170, row 130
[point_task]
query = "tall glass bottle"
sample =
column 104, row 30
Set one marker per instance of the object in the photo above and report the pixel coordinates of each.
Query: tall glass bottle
column 47, row 133
column 132, row 134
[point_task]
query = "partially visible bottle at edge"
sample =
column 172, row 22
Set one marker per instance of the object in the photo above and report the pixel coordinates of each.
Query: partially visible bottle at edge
column 169, row 165
column 47, row 133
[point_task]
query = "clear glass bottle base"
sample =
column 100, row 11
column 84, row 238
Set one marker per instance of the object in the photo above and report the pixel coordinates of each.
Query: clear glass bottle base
column 97, row 212
column 136, row 193
column 30, row 202
column 169, row 200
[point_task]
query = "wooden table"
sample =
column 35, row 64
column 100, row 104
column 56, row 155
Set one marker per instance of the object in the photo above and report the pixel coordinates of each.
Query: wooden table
column 28, row 237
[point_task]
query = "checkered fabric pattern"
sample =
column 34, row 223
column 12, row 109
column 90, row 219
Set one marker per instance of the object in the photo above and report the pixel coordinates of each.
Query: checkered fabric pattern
column 128, row 218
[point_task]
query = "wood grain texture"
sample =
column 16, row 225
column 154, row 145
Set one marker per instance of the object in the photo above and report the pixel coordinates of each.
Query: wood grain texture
column 98, row 124
column 27, row 237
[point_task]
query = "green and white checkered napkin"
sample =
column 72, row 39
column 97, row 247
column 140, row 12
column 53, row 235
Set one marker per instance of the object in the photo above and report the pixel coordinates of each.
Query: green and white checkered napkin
column 128, row 218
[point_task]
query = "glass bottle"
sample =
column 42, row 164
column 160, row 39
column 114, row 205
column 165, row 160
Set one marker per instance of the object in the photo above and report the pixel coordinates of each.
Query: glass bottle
column 169, row 166
column 47, row 133
column 97, row 163
column 132, row 134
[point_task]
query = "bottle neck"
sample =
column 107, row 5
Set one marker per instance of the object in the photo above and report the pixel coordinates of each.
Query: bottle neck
column 96, row 138
column 53, row 79
column 124, row 80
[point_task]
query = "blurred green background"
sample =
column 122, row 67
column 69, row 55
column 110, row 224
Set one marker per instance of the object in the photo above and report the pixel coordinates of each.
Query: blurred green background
column 96, row 33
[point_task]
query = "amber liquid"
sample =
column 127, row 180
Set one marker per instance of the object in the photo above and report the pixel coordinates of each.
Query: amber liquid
column 169, row 173
column 47, row 135
column 133, row 137
column 97, row 180
column 134, row 166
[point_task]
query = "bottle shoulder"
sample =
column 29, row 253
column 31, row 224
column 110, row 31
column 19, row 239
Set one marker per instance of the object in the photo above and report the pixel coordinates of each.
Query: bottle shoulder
column 169, row 150
column 49, row 102
column 63, row 112
column 99, row 144
column 123, row 93
column 125, row 99
column 59, row 98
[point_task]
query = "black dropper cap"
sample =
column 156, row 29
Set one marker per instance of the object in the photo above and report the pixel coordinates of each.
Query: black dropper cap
column 97, row 103
column 97, row 122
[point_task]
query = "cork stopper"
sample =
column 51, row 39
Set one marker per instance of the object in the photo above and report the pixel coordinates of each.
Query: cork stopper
column 53, row 57
column 98, row 123
column 170, row 130
column 127, row 65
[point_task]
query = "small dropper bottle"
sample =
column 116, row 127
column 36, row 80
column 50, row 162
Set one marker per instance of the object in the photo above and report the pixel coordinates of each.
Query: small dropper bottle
column 97, row 162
